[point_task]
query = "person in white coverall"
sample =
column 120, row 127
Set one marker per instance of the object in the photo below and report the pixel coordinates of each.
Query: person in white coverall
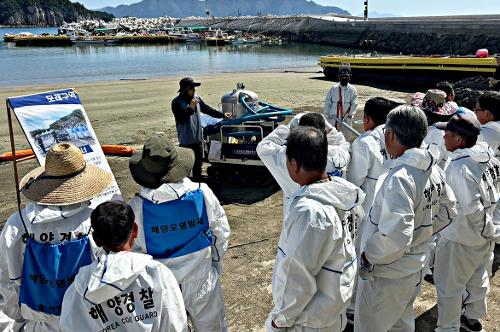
column 315, row 264
column 488, row 113
column 367, row 160
column 464, row 253
column 43, row 246
column 368, row 150
column 183, row 226
column 341, row 102
column 122, row 290
column 411, row 204
column 272, row 151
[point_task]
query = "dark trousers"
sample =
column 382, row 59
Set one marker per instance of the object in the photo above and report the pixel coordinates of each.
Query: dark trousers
column 198, row 159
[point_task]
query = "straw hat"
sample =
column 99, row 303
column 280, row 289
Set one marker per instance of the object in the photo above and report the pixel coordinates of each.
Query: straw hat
column 160, row 161
column 66, row 178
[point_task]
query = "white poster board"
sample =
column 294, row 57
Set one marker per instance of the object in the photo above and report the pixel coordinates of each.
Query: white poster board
column 58, row 116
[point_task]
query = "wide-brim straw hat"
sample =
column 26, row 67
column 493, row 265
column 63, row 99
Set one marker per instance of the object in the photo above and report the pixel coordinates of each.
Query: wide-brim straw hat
column 160, row 161
column 65, row 179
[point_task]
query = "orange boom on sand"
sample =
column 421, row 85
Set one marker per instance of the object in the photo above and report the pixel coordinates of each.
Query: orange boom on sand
column 110, row 150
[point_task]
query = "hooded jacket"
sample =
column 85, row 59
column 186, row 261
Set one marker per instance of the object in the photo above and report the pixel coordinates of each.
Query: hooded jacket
column 315, row 266
column 474, row 176
column 435, row 136
column 45, row 224
column 272, row 152
column 412, row 203
column 367, row 163
column 126, row 291
column 490, row 133
column 195, row 266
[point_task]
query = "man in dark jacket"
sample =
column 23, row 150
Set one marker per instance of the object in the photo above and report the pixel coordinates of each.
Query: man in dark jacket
column 186, row 108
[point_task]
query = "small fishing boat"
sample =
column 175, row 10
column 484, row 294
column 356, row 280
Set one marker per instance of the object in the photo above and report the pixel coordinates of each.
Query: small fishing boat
column 217, row 38
column 193, row 37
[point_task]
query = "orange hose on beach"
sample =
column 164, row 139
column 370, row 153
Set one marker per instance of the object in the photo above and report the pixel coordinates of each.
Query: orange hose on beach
column 111, row 150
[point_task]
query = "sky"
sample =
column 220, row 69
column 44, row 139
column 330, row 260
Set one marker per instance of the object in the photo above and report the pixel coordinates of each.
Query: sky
column 398, row 7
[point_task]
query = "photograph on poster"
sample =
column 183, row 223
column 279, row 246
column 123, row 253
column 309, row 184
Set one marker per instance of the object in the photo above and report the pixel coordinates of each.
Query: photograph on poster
column 59, row 128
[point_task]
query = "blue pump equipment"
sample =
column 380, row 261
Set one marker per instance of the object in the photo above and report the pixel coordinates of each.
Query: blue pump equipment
column 267, row 112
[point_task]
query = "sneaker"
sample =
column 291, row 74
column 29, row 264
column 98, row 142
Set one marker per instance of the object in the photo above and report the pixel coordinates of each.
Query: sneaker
column 470, row 325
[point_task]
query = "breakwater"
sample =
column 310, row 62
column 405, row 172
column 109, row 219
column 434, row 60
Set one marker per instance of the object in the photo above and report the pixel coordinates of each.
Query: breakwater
column 457, row 35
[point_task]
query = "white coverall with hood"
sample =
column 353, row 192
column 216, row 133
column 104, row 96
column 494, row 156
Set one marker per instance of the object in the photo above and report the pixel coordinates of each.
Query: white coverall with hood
column 198, row 273
column 490, row 133
column 412, row 203
column 349, row 105
column 367, row 163
column 50, row 224
column 124, row 291
column 368, row 156
column 464, row 253
column 436, row 136
column 272, row 152
column 315, row 265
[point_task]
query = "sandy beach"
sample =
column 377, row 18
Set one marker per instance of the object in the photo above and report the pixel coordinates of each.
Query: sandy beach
column 128, row 112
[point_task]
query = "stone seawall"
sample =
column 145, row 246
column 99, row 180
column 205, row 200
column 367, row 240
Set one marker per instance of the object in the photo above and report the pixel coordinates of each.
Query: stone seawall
column 458, row 35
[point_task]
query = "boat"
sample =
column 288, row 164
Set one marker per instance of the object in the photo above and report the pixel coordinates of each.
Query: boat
column 83, row 38
column 253, row 40
column 411, row 69
column 217, row 38
column 193, row 37
column 8, row 37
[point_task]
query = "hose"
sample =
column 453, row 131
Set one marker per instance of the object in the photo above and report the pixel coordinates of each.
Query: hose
column 264, row 116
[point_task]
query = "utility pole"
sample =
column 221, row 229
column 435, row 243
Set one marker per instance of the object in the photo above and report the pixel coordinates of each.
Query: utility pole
column 207, row 12
column 366, row 10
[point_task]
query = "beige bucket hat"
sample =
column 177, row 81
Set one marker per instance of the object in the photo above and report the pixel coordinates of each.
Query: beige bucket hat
column 65, row 179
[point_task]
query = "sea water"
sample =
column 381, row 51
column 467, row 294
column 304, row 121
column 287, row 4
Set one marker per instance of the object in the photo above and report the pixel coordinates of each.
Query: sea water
column 72, row 64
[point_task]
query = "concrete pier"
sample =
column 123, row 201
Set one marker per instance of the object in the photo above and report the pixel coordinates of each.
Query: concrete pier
column 458, row 35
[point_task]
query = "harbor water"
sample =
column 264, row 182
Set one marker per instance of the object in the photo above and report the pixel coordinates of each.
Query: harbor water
column 21, row 66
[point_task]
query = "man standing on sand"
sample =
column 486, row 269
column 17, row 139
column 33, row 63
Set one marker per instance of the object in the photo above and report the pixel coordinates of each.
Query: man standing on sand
column 411, row 204
column 464, row 253
column 186, row 108
column 341, row 102
column 315, row 265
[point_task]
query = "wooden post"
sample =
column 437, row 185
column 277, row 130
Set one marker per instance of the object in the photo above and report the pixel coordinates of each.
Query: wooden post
column 14, row 158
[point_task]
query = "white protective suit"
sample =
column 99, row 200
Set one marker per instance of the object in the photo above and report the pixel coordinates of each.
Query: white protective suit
column 464, row 253
column 490, row 133
column 368, row 156
column 52, row 224
column 272, row 152
column 367, row 163
column 125, row 291
column 349, row 105
column 315, row 265
column 198, row 273
column 412, row 203
column 436, row 136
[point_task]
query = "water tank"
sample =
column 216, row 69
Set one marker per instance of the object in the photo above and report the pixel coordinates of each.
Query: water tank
column 231, row 101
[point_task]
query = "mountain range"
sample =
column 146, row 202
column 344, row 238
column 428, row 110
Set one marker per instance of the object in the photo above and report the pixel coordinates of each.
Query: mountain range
column 45, row 12
column 184, row 8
